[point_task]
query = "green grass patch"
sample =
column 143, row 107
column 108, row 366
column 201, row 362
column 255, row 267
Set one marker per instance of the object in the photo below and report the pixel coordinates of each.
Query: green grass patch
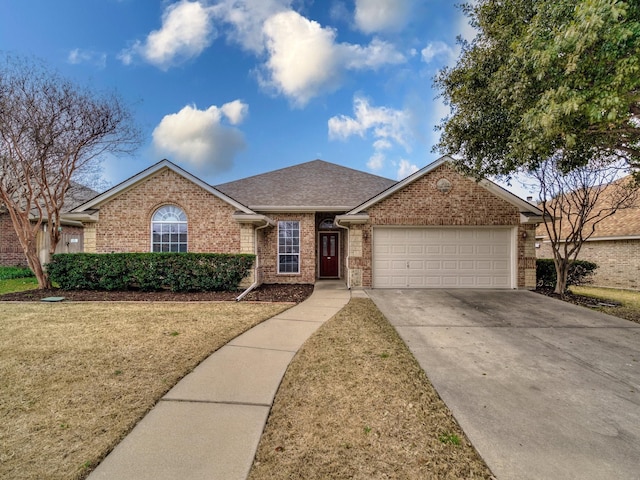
column 18, row 285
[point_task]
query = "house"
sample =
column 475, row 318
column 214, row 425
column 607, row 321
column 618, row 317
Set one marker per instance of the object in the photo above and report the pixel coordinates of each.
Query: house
column 319, row 220
column 71, row 241
column 614, row 247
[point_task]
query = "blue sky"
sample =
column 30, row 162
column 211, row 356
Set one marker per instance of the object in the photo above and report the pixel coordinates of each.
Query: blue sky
column 232, row 88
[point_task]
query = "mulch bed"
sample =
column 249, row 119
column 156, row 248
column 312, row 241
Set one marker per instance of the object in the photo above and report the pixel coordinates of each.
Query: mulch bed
column 294, row 293
column 577, row 299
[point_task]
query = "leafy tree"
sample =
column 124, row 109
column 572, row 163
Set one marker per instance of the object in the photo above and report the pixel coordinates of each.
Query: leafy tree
column 576, row 202
column 542, row 77
column 51, row 131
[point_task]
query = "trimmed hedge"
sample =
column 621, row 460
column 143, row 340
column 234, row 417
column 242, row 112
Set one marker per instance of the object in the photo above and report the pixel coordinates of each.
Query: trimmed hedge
column 178, row 272
column 580, row 272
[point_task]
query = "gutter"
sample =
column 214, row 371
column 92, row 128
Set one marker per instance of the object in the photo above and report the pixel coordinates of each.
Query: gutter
column 267, row 223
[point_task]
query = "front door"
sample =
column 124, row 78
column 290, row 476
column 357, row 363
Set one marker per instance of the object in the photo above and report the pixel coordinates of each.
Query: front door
column 329, row 254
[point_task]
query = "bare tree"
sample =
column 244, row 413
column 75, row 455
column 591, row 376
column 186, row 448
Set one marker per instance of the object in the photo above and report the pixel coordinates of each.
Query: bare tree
column 51, row 131
column 575, row 202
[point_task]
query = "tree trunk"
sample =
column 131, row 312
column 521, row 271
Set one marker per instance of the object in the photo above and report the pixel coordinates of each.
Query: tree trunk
column 562, row 273
column 36, row 267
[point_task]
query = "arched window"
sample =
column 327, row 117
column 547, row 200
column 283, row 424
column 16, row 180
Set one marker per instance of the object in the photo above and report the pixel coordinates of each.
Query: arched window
column 169, row 230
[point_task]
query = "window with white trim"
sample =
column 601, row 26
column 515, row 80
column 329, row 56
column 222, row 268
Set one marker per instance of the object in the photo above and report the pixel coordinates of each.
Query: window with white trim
column 289, row 247
column 169, row 230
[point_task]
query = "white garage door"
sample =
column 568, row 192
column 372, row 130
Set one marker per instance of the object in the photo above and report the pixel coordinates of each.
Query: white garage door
column 442, row 257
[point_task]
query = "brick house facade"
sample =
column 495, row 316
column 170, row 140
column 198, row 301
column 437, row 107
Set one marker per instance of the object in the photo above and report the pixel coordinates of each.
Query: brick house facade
column 618, row 261
column 614, row 247
column 309, row 221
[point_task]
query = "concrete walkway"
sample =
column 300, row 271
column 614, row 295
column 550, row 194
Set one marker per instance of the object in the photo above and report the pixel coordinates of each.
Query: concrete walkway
column 209, row 425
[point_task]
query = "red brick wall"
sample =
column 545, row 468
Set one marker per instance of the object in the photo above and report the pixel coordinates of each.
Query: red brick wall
column 618, row 261
column 466, row 204
column 11, row 253
column 268, row 250
column 124, row 223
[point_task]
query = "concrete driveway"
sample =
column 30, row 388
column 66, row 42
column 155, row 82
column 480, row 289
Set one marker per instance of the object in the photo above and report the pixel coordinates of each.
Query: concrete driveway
column 542, row 388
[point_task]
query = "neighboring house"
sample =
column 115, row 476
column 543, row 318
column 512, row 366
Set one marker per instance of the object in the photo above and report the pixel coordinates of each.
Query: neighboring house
column 614, row 247
column 318, row 220
column 71, row 241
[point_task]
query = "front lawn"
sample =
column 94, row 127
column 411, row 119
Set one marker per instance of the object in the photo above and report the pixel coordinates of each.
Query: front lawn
column 628, row 300
column 76, row 377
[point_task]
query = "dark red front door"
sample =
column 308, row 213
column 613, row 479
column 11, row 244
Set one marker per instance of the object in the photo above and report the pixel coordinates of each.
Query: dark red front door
column 329, row 255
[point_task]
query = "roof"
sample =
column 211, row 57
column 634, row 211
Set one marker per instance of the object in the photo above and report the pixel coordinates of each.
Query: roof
column 624, row 223
column 533, row 213
column 96, row 201
column 316, row 185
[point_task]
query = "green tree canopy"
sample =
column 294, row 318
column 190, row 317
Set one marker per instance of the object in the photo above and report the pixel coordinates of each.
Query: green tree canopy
column 544, row 77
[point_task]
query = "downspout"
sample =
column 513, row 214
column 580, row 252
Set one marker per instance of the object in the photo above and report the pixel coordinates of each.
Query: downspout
column 256, row 278
column 337, row 224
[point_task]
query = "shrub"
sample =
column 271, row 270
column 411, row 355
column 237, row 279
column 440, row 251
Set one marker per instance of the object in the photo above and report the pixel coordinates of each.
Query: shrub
column 7, row 273
column 580, row 272
column 178, row 272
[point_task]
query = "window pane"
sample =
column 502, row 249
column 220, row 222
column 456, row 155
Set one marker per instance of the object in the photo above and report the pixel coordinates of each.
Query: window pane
column 169, row 230
column 288, row 247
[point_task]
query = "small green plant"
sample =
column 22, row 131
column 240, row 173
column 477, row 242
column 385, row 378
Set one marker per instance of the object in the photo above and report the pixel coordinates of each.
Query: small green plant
column 384, row 355
column 450, row 438
column 174, row 334
column 8, row 273
column 367, row 429
column 117, row 372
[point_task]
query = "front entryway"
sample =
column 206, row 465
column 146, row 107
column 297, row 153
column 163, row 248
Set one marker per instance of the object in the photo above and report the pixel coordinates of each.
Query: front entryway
column 329, row 256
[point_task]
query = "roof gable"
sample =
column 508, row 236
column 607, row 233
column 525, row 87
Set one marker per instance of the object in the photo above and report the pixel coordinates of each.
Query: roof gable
column 523, row 206
column 131, row 182
column 316, row 185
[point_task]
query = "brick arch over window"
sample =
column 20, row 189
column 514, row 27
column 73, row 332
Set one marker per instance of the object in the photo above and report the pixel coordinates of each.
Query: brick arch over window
column 169, row 229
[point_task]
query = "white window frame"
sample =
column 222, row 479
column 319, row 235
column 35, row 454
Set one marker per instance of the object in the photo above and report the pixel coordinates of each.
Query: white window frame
column 165, row 219
column 288, row 244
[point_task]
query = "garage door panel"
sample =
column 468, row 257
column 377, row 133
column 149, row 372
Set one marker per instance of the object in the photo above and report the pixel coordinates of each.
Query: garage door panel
column 442, row 257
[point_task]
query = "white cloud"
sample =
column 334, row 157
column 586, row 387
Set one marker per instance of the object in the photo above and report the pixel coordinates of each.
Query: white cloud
column 382, row 15
column 246, row 19
column 200, row 138
column 439, row 49
column 388, row 127
column 302, row 57
column 77, row 56
column 406, row 168
column 376, row 161
column 305, row 60
column 385, row 124
column 187, row 29
column 235, row 111
column 378, row 53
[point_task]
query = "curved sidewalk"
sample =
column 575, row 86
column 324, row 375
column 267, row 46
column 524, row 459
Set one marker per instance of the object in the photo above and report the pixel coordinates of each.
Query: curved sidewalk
column 209, row 425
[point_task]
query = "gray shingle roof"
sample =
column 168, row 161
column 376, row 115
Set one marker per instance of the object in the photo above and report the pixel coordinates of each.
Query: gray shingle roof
column 318, row 185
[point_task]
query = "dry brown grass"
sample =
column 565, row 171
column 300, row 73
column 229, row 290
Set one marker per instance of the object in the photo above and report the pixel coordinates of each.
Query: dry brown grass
column 355, row 404
column 76, row 377
column 629, row 301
